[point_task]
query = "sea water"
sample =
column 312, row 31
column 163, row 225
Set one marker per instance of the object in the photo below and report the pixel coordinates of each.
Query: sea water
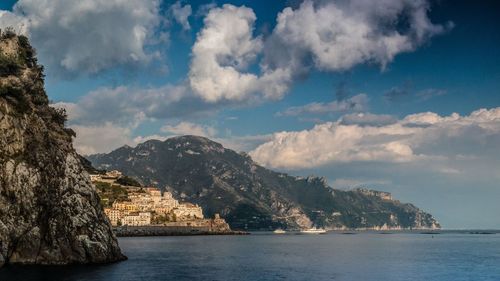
column 365, row 256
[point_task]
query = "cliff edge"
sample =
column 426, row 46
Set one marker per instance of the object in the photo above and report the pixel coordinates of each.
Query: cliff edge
column 49, row 211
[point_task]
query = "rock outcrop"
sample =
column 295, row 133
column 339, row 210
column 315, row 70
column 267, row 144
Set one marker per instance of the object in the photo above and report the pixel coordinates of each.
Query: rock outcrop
column 251, row 197
column 49, row 211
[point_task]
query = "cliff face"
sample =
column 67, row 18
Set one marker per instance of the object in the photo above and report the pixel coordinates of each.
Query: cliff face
column 49, row 211
column 250, row 196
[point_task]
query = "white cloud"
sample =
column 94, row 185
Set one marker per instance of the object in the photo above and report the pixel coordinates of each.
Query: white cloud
column 125, row 109
column 91, row 139
column 181, row 14
column 355, row 103
column 244, row 143
column 188, row 128
column 429, row 118
column 326, row 35
column 74, row 36
column 224, row 49
column 416, row 137
column 141, row 139
column 10, row 20
column 128, row 105
column 337, row 35
column 98, row 139
column 367, row 119
column 107, row 137
column 332, row 142
column 122, row 110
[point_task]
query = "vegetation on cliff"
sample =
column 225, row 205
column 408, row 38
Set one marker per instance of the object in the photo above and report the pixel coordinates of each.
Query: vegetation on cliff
column 50, row 213
column 109, row 193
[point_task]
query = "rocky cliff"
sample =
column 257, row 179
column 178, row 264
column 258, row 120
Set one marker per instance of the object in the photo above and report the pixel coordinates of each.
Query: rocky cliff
column 250, row 196
column 49, row 211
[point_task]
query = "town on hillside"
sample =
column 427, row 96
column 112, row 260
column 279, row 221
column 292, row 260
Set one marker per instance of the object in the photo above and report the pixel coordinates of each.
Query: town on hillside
column 128, row 204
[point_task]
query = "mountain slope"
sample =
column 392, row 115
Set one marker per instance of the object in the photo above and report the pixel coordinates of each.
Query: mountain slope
column 49, row 211
column 250, row 196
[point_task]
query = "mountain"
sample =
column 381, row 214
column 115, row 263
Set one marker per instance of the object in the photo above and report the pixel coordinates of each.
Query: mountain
column 250, row 196
column 49, row 211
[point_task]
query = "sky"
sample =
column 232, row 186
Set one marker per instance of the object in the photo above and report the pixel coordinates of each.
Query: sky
column 395, row 95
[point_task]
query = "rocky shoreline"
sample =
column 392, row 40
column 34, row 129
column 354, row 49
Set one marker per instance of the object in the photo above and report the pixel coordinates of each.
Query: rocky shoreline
column 161, row 230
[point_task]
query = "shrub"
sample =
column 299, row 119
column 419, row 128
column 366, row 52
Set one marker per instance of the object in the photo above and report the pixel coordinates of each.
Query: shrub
column 15, row 96
column 128, row 181
column 8, row 33
column 9, row 66
column 27, row 54
column 60, row 116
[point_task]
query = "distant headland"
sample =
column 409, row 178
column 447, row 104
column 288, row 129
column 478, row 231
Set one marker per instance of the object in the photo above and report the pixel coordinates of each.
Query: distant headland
column 251, row 197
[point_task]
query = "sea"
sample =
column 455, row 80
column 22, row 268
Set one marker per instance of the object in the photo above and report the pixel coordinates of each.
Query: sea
column 359, row 256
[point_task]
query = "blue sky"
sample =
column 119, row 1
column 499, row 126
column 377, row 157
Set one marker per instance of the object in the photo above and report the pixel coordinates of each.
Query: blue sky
column 464, row 62
column 345, row 104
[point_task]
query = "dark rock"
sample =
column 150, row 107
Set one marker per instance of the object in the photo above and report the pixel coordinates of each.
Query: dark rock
column 50, row 212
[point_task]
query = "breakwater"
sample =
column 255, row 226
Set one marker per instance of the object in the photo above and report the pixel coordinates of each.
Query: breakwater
column 162, row 230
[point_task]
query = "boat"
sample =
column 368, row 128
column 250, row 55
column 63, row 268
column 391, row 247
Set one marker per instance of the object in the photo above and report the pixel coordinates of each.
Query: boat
column 279, row 231
column 313, row 230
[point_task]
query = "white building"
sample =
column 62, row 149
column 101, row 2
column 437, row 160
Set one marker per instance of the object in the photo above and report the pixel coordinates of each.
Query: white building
column 113, row 215
column 137, row 219
column 146, row 203
column 188, row 211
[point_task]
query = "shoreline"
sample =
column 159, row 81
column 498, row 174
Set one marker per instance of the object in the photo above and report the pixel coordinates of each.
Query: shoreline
column 161, row 230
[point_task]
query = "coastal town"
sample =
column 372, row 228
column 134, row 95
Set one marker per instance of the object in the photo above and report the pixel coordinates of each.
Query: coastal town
column 131, row 206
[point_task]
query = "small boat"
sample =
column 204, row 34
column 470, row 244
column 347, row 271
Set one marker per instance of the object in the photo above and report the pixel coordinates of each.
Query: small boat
column 313, row 230
column 279, row 231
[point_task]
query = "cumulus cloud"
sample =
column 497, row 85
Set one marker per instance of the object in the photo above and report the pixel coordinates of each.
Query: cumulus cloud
column 92, row 139
column 74, row 37
column 330, row 142
column 181, row 14
column 243, row 143
column 337, row 35
column 223, row 50
column 416, row 137
column 124, row 109
column 324, row 35
column 367, row 119
column 107, row 137
column 98, row 139
column 141, row 139
column 129, row 105
column 10, row 20
column 188, row 128
column 355, row 103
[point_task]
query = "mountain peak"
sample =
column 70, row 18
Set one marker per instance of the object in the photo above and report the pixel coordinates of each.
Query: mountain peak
column 249, row 196
column 194, row 140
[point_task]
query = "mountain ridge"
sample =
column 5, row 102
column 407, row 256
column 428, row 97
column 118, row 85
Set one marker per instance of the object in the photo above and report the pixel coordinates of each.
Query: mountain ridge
column 250, row 196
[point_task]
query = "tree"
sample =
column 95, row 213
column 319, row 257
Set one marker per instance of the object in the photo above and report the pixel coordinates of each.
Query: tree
column 128, row 181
